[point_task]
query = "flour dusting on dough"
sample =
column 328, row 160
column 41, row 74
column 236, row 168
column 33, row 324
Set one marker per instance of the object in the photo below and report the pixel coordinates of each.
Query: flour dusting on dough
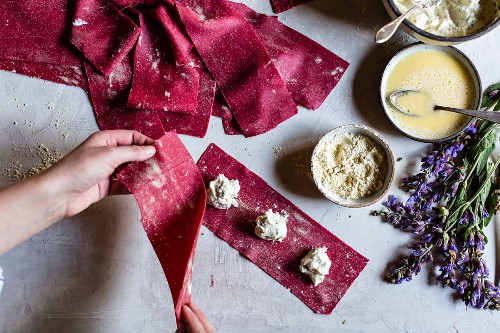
column 79, row 22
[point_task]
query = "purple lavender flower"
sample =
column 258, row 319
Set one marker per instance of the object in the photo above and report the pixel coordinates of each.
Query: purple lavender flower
column 473, row 128
column 431, row 212
column 479, row 240
column 462, row 260
column 461, row 286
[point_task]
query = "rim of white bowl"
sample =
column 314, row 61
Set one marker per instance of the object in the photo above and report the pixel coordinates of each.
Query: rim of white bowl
column 415, row 47
column 444, row 39
column 374, row 197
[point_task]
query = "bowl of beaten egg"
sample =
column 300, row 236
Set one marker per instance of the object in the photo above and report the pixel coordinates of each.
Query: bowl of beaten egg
column 447, row 22
column 352, row 166
column 444, row 76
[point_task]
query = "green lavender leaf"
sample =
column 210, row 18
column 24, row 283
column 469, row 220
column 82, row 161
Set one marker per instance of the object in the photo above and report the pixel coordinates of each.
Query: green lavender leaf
column 456, row 215
column 483, row 126
column 446, row 239
column 491, row 204
column 462, row 191
column 490, row 100
column 483, row 157
column 488, row 139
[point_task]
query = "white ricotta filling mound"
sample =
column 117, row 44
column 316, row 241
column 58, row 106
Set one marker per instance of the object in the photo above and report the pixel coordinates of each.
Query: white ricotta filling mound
column 452, row 18
column 271, row 226
column 316, row 265
column 222, row 192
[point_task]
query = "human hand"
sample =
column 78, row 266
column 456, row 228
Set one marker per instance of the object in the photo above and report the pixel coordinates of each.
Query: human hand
column 193, row 321
column 83, row 177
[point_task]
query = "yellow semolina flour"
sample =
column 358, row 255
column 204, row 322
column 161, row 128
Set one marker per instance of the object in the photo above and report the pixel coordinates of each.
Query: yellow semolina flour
column 351, row 165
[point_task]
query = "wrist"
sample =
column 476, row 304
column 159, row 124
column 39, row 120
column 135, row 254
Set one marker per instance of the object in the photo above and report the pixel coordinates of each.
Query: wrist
column 27, row 208
column 48, row 197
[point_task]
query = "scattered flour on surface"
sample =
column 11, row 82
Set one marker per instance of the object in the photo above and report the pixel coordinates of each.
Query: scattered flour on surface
column 46, row 157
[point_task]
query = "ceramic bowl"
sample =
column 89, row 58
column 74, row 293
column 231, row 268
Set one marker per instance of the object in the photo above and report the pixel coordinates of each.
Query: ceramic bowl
column 410, row 49
column 371, row 199
column 430, row 38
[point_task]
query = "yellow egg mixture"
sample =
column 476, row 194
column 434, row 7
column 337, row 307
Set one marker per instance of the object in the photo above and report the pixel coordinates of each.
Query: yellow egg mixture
column 440, row 79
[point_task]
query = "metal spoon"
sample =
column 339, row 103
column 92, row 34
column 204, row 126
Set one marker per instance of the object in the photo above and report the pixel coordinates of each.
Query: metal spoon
column 390, row 28
column 490, row 116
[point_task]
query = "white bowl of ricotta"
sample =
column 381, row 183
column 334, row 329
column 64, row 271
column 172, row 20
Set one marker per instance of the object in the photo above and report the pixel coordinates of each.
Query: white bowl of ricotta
column 449, row 21
column 353, row 166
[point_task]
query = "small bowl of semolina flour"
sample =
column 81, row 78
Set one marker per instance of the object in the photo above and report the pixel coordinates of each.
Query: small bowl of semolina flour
column 353, row 166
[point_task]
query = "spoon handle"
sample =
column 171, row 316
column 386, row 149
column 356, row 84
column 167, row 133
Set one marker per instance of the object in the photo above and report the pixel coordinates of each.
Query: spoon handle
column 494, row 117
column 390, row 28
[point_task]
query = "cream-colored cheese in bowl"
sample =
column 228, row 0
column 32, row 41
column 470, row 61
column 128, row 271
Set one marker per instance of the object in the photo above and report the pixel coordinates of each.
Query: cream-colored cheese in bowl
column 449, row 22
column 452, row 18
column 352, row 166
column 438, row 75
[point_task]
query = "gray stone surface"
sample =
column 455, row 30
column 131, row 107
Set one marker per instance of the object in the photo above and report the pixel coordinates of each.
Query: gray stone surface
column 97, row 272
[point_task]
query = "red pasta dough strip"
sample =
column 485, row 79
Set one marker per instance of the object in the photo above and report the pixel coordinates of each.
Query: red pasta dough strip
column 159, row 84
column 282, row 5
column 183, row 48
column 69, row 75
column 102, row 33
column 171, row 197
column 109, row 95
column 279, row 260
column 231, row 127
column 196, row 124
column 35, row 31
column 239, row 63
column 309, row 70
column 122, row 4
column 220, row 108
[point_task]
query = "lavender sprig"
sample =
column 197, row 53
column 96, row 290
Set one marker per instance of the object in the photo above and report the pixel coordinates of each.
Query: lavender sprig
column 450, row 201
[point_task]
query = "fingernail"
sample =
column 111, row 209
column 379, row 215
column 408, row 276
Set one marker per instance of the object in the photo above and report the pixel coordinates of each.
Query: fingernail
column 150, row 150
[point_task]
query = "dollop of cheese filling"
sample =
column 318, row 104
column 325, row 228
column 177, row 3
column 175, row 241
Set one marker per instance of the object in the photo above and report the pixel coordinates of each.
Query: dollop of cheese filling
column 452, row 17
column 271, row 226
column 316, row 265
column 222, row 192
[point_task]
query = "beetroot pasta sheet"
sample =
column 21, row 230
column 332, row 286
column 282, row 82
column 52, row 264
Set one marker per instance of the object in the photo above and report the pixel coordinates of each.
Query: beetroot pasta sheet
column 102, row 33
column 280, row 260
column 310, row 71
column 282, row 5
column 36, row 31
column 239, row 63
column 220, row 108
column 195, row 124
column 64, row 74
column 159, row 84
column 109, row 96
column 231, row 126
column 183, row 48
column 171, row 196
